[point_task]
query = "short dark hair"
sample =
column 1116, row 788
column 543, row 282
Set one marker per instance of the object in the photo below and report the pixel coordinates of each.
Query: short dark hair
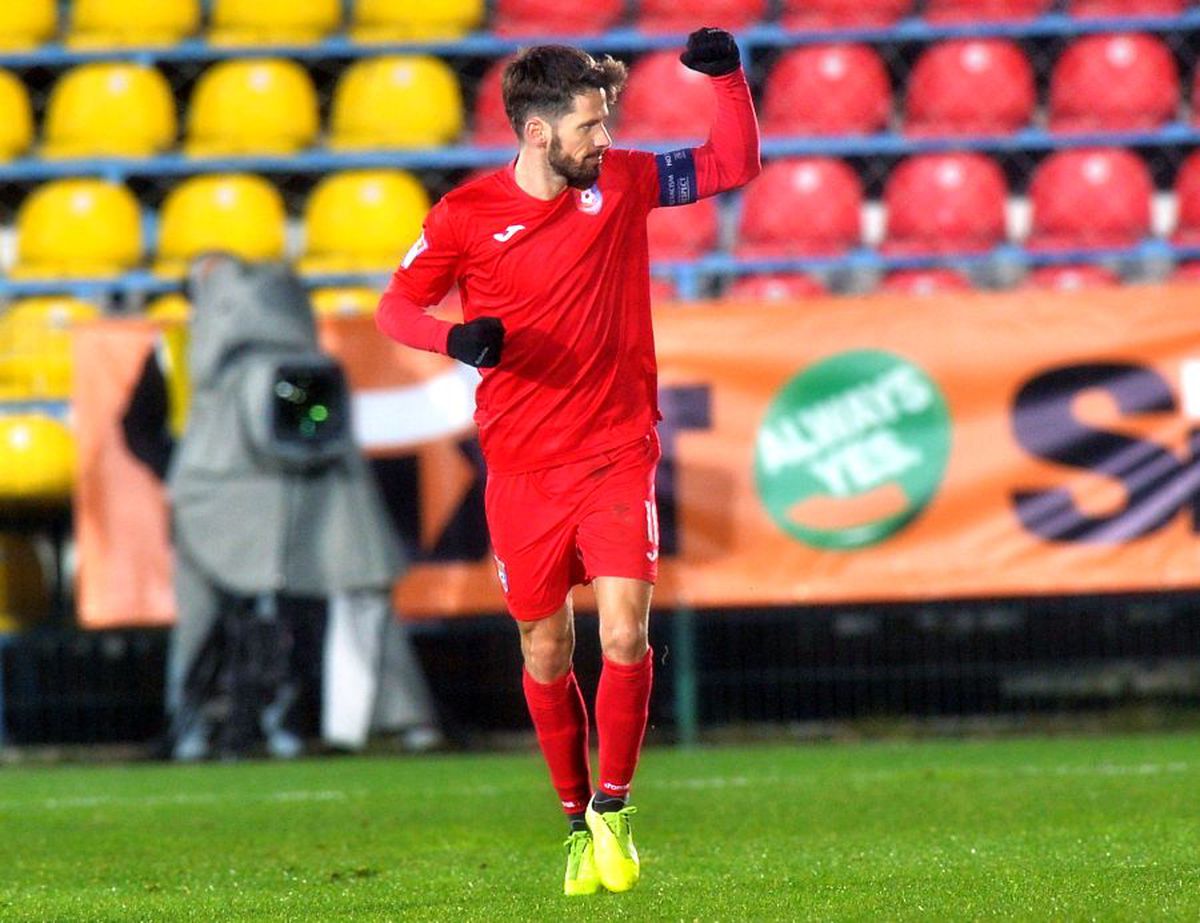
column 545, row 79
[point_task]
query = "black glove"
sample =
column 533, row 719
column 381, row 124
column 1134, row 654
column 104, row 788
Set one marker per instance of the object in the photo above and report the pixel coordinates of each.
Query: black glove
column 477, row 343
column 711, row 51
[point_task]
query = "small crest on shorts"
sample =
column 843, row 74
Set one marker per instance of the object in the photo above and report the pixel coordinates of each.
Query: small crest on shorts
column 502, row 573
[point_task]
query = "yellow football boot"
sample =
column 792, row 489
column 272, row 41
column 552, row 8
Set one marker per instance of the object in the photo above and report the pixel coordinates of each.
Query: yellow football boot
column 581, row 877
column 616, row 856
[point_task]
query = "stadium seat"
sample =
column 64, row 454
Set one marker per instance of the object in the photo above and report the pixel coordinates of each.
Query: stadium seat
column 173, row 307
column 37, row 459
column 924, row 282
column 35, row 346
column 1123, row 82
column 939, row 203
column 362, row 220
column 970, row 86
column 396, row 101
column 673, row 16
column 774, row 287
column 808, row 206
column 124, row 23
column 16, row 117
column 346, row 301
column 109, row 108
column 1090, row 198
column 827, row 90
column 252, row 106
column 237, row 213
column 554, row 17
column 27, row 23
column 1186, row 272
column 77, row 228
column 659, row 76
column 1071, row 278
column 1187, row 201
column 280, row 22
column 839, row 14
column 946, row 11
column 403, row 20
column 489, row 121
column 1118, row 8
column 684, row 232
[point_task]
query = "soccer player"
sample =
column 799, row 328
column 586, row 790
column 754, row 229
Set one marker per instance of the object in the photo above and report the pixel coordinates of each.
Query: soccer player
column 550, row 257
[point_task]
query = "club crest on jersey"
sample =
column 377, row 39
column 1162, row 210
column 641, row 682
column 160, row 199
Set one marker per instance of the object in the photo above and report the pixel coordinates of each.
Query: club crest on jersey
column 590, row 201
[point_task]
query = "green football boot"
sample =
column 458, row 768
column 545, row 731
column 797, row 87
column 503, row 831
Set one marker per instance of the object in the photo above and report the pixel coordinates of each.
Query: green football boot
column 616, row 856
column 581, row 877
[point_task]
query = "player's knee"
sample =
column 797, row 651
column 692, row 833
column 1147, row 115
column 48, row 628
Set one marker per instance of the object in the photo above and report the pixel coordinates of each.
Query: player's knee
column 548, row 655
column 624, row 642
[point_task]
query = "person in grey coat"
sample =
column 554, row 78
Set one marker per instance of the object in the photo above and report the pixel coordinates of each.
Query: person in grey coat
column 271, row 499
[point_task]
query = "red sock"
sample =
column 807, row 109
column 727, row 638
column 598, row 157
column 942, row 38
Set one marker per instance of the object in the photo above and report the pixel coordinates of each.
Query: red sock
column 561, row 721
column 622, row 707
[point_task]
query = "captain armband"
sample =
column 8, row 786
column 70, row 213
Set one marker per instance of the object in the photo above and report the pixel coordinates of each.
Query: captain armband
column 676, row 177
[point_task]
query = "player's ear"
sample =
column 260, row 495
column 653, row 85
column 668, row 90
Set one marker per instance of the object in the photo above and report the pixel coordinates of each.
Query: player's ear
column 537, row 132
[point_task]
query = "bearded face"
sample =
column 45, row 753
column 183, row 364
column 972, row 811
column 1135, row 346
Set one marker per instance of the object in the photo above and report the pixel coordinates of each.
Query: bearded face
column 580, row 170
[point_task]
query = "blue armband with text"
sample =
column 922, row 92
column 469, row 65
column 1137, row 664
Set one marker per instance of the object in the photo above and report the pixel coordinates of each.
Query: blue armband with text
column 676, row 177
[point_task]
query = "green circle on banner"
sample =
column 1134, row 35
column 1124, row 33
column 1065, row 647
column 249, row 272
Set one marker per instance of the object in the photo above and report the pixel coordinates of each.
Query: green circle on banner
column 852, row 449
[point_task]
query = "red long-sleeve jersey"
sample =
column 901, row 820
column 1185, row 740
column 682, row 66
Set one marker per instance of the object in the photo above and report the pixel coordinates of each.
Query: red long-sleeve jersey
column 570, row 280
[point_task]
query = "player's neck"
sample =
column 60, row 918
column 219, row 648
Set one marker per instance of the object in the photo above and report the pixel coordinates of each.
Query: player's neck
column 534, row 177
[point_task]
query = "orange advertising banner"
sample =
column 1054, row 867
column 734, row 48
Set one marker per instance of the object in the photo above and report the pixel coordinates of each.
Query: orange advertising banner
column 825, row 451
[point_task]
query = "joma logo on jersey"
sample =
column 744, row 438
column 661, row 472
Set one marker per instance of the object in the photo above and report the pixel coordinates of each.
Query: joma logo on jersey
column 507, row 234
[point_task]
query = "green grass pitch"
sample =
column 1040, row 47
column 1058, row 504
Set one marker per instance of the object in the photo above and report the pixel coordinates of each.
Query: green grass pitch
column 1082, row 828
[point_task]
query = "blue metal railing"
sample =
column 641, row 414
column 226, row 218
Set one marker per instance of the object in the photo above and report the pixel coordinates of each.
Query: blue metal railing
column 485, row 45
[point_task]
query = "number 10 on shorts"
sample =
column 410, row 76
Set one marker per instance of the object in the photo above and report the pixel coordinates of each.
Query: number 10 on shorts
column 652, row 529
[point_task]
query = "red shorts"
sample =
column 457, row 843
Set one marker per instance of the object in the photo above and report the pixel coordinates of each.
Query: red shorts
column 554, row 528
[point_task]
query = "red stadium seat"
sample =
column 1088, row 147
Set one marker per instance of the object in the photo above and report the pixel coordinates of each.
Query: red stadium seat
column 976, row 11
column 553, row 17
column 1090, row 198
column 827, row 90
column 655, row 79
column 673, row 16
column 808, row 206
column 925, row 282
column 1187, row 198
column 1071, row 278
column 662, row 290
column 984, row 10
column 775, row 287
column 489, row 123
column 838, row 14
column 939, row 203
column 683, row 232
column 970, row 86
column 1186, row 272
column 1116, row 8
column 1114, row 83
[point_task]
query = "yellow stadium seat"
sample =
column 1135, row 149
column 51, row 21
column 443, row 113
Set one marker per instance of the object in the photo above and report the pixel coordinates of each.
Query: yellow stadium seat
column 37, row 459
column 403, row 20
column 252, row 22
column 252, row 106
column 35, row 346
column 362, row 221
column 16, row 117
column 109, row 108
column 348, row 301
column 25, row 23
column 24, row 596
column 125, row 23
column 169, row 308
column 77, row 228
column 396, row 101
column 236, row 213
